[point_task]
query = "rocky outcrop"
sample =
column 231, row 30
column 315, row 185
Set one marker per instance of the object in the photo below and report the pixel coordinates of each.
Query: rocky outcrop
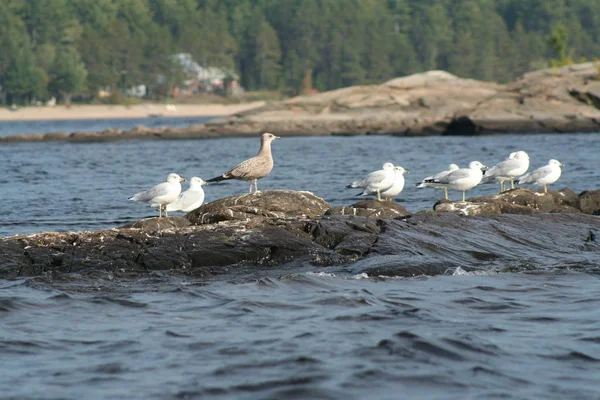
column 589, row 202
column 525, row 201
column 431, row 103
column 371, row 209
column 253, row 209
column 242, row 234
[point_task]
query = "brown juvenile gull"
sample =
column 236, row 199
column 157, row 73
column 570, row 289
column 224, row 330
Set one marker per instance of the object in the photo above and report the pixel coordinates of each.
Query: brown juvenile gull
column 253, row 168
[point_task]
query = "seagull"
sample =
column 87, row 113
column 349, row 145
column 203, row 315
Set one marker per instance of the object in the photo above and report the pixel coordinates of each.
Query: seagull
column 515, row 165
column 462, row 178
column 439, row 175
column 253, row 168
column 191, row 198
column 397, row 186
column 543, row 176
column 161, row 194
column 376, row 181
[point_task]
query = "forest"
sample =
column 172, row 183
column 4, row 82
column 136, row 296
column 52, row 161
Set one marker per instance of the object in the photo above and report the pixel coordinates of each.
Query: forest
column 68, row 48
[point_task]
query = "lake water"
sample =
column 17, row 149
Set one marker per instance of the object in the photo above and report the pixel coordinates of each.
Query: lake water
column 8, row 128
column 281, row 333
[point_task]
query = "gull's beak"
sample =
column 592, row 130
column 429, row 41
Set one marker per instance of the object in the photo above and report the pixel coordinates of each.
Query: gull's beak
column 182, row 179
column 485, row 166
column 277, row 137
column 561, row 164
column 203, row 183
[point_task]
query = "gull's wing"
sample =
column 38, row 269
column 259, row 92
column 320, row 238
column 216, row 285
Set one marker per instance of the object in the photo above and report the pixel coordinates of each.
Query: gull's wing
column 375, row 177
column 503, row 167
column 159, row 190
column 186, row 200
column 537, row 174
column 251, row 167
column 453, row 176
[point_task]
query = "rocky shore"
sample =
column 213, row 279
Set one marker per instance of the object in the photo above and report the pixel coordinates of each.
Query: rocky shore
column 518, row 229
column 563, row 99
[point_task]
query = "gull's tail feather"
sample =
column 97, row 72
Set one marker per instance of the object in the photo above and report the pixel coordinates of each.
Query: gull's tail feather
column 219, row 178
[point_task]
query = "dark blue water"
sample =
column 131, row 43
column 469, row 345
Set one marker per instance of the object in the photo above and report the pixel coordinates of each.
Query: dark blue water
column 8, row 128
column 323, row 334
column 85, row 186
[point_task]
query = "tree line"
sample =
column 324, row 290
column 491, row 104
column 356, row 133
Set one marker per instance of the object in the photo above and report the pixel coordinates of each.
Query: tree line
column 66, row 47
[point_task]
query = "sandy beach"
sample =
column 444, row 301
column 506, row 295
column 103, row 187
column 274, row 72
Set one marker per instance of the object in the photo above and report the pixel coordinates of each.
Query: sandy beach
column 111, row 111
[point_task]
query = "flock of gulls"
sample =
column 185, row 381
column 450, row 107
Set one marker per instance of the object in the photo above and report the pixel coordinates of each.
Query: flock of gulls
column 386, row 183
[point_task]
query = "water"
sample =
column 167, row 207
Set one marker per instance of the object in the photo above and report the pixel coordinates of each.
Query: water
column 85, row 186
column 8, row 128
column 299, row 332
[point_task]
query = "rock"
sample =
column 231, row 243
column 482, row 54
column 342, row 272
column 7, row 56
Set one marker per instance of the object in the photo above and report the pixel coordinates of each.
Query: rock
column 371, row 209
column 158, row 224
column 589, row 202
column 482, row 208
column 430, row 103
column 346, row 235
column 525, row 201
column 427, row 243
column 544, row 202
column 258, row 208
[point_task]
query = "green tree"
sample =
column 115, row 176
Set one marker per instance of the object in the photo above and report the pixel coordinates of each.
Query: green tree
column 69, row 74
column 557, row 41
column 21, row 76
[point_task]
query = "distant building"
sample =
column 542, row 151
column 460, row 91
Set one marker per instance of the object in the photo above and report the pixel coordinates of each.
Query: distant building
column 205, row 79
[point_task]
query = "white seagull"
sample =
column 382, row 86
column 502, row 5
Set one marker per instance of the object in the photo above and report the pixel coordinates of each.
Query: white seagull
column 191, row 198
column 462, row 178
column 161, row 194
column 377, row 181
column 515, row 165
column 397, row 186
column 543, row 176
column 439, row 175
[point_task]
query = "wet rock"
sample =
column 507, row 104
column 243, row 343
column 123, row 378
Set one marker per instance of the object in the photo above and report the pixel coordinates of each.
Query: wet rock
column 371, row 209
column 589, row 202
column 439, row 243
column 345, row 235
column 260, row 207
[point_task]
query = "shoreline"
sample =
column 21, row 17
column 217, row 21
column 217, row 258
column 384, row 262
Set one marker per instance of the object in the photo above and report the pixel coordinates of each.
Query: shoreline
column 149, row 110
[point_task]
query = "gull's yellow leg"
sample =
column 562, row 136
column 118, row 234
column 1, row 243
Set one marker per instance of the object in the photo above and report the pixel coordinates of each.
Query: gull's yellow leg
column 378, row 196
column 446, row 192
column 464, row 191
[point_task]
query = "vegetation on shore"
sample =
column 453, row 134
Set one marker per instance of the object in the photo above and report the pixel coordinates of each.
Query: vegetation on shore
column 77, row 47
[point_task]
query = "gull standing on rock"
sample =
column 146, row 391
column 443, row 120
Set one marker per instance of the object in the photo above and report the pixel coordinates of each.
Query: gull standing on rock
column 253, row 168
column 397, row 186
column 191, row 198
column 162, row 194
column 515, row 165
column 377, row 181
column 438, row 176
column 462, row 178
column 543, row 176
